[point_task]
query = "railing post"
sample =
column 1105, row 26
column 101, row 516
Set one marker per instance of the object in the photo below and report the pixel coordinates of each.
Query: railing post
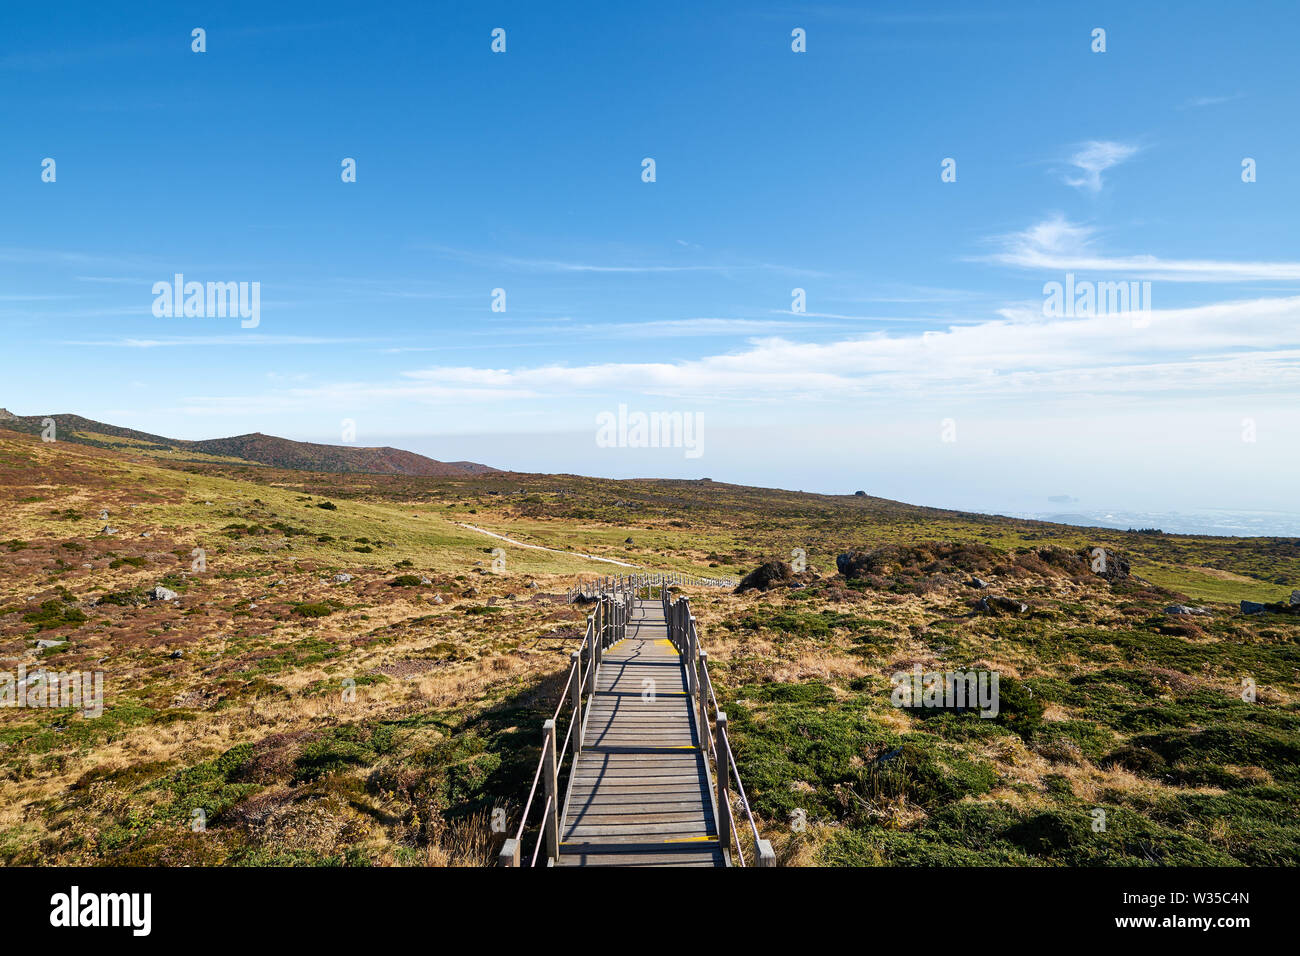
column 552, row 791
column 724, row 783
column 509, row 855
column 703, row 693
column 763, row 851
column 576, row 657
column 692, row 642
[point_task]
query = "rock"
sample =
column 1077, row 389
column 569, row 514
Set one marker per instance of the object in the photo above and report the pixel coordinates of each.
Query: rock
column 343, row 578
column 772, row 574
column 1277, row 607
column 1110, row 565
column 437, row 599
column 176, row 655
column 492, row 602
column 469, row 592
column 87, row 566
column 977, row 583
column 252, row 607
column 859, row 494
column 276, row 584
column 45, row 642
column 145, row 534
column 108, row 530
column 628, row 541
column 533, row 585
column 995, row 603
column 1295, row 597
column 425, row 581
column 1184, row 609
column 161, row 593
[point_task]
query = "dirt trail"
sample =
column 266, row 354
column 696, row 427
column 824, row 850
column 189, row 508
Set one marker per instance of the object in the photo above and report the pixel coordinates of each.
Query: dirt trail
column 538, row 547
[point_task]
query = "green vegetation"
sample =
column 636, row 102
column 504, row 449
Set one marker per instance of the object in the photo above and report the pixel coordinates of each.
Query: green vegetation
column 383, row 728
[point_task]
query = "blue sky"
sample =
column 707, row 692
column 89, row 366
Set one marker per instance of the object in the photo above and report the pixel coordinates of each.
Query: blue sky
column 775, row 170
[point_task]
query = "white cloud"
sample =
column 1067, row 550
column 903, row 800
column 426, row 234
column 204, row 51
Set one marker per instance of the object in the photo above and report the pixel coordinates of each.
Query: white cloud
column 1230, row 349
column 1059, row 245
column 1094, row 158
column 1196, row 102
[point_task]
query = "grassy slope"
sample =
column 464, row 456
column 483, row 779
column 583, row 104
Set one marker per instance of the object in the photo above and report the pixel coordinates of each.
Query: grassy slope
column 1140, row 714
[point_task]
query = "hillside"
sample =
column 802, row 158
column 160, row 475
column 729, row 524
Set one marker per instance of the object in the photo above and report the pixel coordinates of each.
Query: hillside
column 256, row 449
column 345, row 680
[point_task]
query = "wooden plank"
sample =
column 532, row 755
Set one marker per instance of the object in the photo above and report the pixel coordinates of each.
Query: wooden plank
column 639, row 790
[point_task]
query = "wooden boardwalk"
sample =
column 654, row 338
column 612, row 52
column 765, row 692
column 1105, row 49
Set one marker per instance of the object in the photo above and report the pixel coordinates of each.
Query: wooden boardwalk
column 640, row 793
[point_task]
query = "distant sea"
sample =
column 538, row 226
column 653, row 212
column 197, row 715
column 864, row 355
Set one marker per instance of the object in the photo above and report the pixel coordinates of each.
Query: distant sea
column 1269, row 524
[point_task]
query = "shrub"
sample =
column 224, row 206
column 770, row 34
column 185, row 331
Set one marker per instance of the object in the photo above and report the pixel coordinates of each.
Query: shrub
column 312, row 610
column 54, row 614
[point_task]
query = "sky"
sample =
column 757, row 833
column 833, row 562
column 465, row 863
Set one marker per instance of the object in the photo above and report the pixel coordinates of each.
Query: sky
column 921, row 171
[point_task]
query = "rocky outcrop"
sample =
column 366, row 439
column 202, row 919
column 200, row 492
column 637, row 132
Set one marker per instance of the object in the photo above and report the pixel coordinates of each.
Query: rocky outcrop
column 996, row 604
column 774, row 574
column 1110, row 565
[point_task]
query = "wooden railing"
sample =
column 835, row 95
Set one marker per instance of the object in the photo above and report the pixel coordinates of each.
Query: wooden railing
column 660, row 581
column 715, row 741
column 606, row 624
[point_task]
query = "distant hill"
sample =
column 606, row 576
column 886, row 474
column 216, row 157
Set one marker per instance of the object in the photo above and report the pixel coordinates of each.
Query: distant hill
column 254, row 449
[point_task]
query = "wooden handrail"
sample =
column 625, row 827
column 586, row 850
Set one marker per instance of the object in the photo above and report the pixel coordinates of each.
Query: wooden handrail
column 684, row 634
column 606, row 625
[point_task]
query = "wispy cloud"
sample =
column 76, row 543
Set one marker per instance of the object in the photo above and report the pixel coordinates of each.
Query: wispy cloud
column 1196, row 102
column 528, row 264
column 1059, row 245
column 196, row 341
column 1094, row 158
column 1228, row 348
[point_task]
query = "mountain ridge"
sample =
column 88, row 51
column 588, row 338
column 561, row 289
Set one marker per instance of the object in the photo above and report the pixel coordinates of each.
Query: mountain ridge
column 254, row 448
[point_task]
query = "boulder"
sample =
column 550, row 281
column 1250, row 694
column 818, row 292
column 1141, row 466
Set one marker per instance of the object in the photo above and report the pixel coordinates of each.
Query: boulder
column 343, row 578
column 627, row 541
column 107, row 530
column 1110, row 565
column 1252, row 607
column 437, row 599
column 977, row 583
column 161, row 593
column 773, row 574
column 46, row 642
column 994, row 604
column 1184, row 609
column 1295, row 597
